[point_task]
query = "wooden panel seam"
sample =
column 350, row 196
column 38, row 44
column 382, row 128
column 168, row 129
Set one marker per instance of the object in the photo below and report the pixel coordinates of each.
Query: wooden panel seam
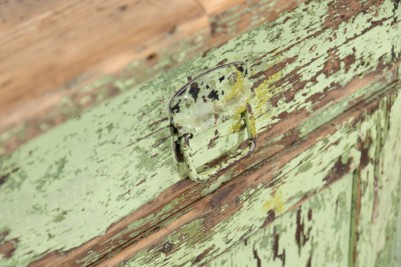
column 205, row 206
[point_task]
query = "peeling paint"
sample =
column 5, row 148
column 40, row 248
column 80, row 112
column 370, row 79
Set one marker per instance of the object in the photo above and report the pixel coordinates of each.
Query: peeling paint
column 97, row 169
column 309, row 231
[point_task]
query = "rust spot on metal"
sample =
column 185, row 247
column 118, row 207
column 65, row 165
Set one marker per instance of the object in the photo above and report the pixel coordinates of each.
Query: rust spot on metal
column 157, row 122
column 140, row 182
column 212, row 142
column 3, row 178
column 309, row 262
column 161, row 141
column 194, row 91
column 3, row 235
column 309, row 214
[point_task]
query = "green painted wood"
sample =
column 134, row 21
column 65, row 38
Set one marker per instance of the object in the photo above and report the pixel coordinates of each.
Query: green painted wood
column 378, row 193
column 315, row 234
column 252, row 201
column 374, row 239
column 71, row 185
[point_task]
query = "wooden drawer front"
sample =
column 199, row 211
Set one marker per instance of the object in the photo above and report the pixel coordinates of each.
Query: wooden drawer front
column 106, row 188
column 316, row 183
column 313, row 234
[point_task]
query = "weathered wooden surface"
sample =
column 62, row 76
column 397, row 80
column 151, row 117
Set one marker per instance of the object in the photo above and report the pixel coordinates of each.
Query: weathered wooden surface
column 98, row 183
column 256, row 198
column 52, row 51
column 314, row 234
column 377, row 193
column 324, row 240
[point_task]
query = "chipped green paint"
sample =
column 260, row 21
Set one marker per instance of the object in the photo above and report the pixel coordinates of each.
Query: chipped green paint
column 315, row 234
column 293, row 186
column 68, row 186
column 328, row 243
column 377, row 218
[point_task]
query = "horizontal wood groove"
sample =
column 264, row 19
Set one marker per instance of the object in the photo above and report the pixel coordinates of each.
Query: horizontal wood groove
column 188, row 193
column 122, row 149
column 45, row 83
column 263, row 173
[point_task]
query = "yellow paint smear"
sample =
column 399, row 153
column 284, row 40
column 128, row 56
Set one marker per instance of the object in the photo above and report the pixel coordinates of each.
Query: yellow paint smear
column 237, row 87
column 276, row 204
column 264, row 92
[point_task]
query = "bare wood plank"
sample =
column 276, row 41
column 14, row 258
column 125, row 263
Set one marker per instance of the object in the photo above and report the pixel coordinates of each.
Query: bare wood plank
column 45, row 52
column 51, row 50
column 228, row 18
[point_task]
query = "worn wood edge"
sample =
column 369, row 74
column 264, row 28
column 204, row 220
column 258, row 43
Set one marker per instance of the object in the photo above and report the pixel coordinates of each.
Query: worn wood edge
column 215, row 7
column 229, row 17
column 376, row 197
column 354, row 85
column 59, row 102
column 140, row 35
column 210, row 205
column 24, row 119
column 186, row 193
column 375, row 192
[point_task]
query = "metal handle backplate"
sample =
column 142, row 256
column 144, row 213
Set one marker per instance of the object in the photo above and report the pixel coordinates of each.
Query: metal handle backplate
column 206, row 101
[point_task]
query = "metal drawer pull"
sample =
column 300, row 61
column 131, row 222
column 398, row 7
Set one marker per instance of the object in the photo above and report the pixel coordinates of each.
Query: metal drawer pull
column 208, row 100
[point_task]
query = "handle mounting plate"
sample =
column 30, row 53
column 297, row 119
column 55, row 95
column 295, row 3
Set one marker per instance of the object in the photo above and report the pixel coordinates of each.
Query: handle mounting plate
column 209, row 100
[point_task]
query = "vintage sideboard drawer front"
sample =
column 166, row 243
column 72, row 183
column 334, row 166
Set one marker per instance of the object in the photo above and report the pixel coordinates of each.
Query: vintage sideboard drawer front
column 107, row 187
column 300, row 204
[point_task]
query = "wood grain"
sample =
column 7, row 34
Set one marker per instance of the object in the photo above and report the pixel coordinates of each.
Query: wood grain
column 111, row 172
column 258, row 197
column 377, row 194
column 62, row 46
column 314, row 234
column 52, row 52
